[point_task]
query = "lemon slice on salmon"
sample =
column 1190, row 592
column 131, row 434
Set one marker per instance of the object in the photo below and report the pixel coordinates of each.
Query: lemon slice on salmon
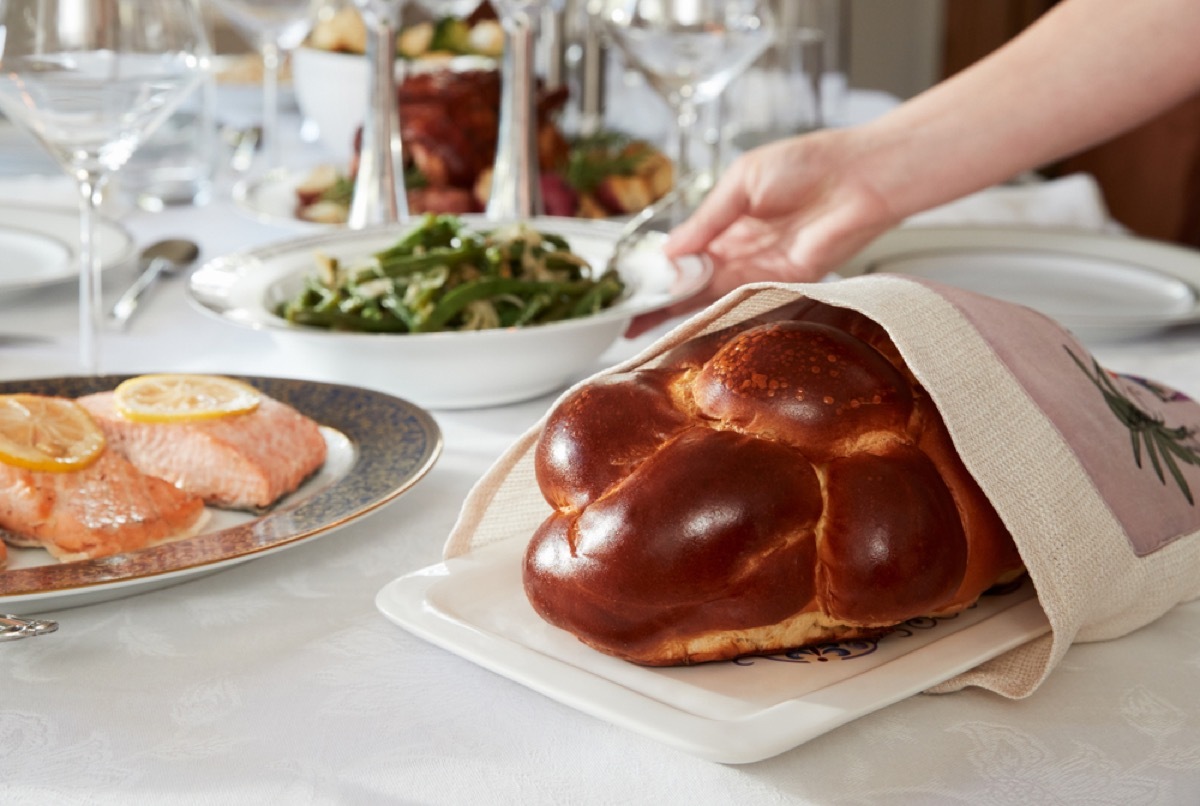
column 38, row 432
column 177, row 398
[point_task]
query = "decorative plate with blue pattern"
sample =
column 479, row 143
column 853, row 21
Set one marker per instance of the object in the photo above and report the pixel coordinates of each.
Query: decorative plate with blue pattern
column 379, row 447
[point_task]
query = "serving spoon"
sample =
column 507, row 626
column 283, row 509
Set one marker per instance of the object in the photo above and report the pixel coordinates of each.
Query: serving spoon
column 647, row 219
column 167, row 257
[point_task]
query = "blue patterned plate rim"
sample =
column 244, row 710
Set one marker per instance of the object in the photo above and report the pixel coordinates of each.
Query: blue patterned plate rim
column 394, row 443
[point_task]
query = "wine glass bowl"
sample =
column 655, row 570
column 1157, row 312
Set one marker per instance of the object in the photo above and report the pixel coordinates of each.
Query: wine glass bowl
column 688, row 50
column 285, row 22
column 91, row 79
column 277, row 27
column 43, row 93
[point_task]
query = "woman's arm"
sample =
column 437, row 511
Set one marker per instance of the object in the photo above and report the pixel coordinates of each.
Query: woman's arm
column 1083, row 73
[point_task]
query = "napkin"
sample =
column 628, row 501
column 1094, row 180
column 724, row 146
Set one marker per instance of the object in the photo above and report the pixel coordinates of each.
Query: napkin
column 1095, row 475
column 1075, row 201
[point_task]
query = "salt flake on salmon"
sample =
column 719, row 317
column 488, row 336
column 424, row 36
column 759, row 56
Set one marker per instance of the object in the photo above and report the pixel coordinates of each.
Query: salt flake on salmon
column 242, row 461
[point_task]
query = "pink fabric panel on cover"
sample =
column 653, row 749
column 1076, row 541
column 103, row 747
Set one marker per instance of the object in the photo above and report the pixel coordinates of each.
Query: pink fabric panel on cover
column 1111, row 422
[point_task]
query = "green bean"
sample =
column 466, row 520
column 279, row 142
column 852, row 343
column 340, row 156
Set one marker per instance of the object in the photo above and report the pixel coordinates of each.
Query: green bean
column 457, row 298
column 310, row 297
column 564, row 302
column 433, row 231
column 536, row 304
column 557, row 241
column 329, row 302
column 589, row 302
column 558, row 261
column 400, row 266
column 395, row 305
column 598, row 297
column 427, row 279
column 334, row 320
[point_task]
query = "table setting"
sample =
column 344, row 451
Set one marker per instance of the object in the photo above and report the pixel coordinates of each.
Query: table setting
column 367, row 637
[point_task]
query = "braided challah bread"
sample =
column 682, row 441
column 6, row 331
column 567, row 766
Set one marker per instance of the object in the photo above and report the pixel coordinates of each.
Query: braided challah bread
column 783, row 482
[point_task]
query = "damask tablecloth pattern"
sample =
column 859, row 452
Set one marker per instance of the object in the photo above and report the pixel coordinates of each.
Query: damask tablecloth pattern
column 279, row 681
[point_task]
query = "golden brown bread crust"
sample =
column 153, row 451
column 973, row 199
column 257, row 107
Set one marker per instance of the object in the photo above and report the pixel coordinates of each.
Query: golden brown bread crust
column 780, row 483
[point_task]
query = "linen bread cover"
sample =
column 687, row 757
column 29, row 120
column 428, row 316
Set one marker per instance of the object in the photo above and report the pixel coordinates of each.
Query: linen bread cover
column 1094, row 474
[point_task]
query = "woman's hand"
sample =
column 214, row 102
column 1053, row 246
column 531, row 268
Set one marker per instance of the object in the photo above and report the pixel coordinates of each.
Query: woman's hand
column 794, row 210
column 790, row 212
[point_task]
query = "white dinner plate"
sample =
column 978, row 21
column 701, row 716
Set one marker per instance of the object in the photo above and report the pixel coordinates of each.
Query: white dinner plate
column 1098, row 286
column 732, row 712
column 379, row 447
column 271, row 199
column 40, row 246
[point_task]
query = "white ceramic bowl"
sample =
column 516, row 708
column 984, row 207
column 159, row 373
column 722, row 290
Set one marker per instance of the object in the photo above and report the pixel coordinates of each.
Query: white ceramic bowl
column 331, row 90
column 239, row 89
column 442, row 370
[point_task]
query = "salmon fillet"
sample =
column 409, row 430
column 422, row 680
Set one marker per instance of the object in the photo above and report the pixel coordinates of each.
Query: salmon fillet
column 244, row 461
column 106, row 508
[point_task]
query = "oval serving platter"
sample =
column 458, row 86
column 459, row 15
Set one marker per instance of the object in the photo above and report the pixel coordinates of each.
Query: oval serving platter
column 379, row 447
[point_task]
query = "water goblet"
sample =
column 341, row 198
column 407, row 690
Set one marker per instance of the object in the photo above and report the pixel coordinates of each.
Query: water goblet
column 277, row 27
column 91, row 79
column 688, row 50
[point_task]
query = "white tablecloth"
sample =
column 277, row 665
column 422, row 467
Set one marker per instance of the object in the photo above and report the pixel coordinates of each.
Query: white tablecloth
column 278, row 680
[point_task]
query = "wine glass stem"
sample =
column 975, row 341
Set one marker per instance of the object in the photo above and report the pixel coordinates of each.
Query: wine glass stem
column 271, row 59
column 90, row 193
column 715, row 134
column 685, row 122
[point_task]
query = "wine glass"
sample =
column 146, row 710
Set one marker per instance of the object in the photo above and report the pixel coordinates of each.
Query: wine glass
column 91, row 79
column 278, row 27
column 688, row 50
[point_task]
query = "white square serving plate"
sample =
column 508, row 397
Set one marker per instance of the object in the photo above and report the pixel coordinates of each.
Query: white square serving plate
column 731, row 712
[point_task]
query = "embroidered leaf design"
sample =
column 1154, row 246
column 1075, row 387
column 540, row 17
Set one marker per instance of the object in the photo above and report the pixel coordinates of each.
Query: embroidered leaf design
column 1153, row 458
column 1164, row 447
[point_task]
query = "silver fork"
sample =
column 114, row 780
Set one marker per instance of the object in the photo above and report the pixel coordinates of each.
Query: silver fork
column 13, row 628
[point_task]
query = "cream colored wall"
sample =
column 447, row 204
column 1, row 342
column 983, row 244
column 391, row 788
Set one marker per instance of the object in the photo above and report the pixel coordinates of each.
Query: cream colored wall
column 895, row 45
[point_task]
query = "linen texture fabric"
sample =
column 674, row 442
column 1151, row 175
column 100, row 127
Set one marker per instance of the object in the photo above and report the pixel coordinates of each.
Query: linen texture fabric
column 1095, row 475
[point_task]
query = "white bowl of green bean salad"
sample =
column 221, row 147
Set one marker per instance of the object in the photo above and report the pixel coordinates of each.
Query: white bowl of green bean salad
column 449, row 312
